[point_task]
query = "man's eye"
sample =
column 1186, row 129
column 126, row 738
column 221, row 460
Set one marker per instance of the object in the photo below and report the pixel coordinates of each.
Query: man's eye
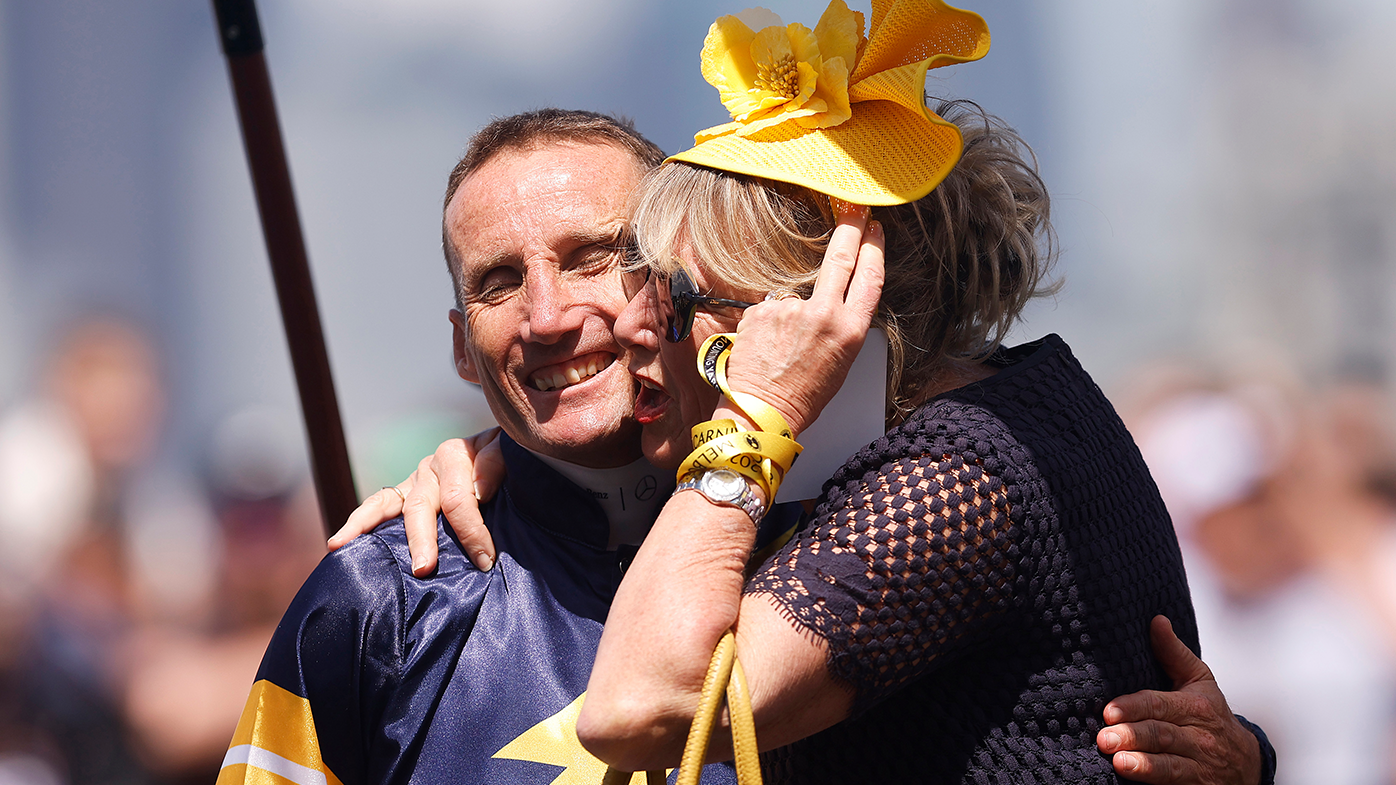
column 498, row 283
column 593, row 260
column 599, row 258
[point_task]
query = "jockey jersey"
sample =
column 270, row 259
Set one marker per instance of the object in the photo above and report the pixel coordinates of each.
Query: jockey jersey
column 375, row 676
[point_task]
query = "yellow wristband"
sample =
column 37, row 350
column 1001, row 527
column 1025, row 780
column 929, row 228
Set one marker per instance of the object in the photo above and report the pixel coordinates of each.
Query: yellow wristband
column 764, row 457
column 780, row 450
column 705, row 432
column 768, row 474
column 712, row 363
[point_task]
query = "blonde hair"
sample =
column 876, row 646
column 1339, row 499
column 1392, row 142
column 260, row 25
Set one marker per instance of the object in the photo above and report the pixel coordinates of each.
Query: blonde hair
column 961, row 262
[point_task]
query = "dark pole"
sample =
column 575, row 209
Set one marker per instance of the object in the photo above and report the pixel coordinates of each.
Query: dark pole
column 276, row 203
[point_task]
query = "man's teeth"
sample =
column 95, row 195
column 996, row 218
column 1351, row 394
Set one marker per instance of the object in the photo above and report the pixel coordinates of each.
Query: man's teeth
column 569, row 375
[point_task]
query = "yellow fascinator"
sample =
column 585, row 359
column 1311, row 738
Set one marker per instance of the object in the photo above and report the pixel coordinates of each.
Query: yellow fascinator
column 833, row 110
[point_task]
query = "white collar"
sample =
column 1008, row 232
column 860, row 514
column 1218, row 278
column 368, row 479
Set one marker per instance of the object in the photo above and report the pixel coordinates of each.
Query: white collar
column 630, row 495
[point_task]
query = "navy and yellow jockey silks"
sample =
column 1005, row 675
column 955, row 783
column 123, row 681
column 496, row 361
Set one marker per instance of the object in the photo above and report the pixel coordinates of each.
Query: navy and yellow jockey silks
column 374, row 676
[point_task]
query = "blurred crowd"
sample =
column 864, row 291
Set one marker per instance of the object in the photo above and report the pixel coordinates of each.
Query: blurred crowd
column 135, row 599
column 1283, row 494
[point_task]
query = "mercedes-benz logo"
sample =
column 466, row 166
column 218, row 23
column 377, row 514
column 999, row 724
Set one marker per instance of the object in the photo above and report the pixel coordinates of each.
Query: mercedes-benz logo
column 753, row 442
column 646, row 487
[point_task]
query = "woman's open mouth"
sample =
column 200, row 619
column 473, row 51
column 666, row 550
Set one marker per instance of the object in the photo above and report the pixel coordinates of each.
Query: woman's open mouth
column 574, row 371
column 651, row 403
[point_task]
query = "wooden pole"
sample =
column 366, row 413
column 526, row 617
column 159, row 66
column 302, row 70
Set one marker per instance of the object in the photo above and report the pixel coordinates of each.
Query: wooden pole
column 241, row 35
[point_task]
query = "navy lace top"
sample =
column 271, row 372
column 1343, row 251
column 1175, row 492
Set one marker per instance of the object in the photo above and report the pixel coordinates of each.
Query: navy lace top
column 984, row 576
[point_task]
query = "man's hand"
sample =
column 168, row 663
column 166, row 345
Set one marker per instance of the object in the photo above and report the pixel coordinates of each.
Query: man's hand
column 453, row 480
column 1185, row 736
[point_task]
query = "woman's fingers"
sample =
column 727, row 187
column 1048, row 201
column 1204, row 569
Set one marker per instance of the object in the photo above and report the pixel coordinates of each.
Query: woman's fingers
column 489, row 463
column 842, row 254
column 452, row 481
column 795, row 354
column 865, row 289
column 467, row 471
column 853, row 267
column 419, row 518
column 382, row 506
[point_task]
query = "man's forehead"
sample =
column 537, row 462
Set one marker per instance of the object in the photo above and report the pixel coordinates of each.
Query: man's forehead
column 548, row 193
column 596, row 175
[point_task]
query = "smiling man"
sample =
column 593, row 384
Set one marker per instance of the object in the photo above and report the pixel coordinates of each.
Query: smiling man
column 477, row 673
column 532, row 237
column 377, row 676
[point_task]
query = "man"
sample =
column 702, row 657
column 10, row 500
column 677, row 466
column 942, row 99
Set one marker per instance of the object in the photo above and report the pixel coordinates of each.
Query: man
column 375, row 675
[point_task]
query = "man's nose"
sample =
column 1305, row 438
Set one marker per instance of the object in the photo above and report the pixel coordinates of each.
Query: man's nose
column 552, row 305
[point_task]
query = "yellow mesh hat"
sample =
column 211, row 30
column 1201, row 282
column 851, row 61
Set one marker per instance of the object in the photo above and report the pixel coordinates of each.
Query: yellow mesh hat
column 833, row 110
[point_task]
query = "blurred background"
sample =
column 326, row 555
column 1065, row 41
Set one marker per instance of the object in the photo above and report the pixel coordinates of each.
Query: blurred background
column 1224, row 175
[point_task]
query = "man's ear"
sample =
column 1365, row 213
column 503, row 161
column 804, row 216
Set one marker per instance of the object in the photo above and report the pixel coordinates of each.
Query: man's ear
column 465, row 367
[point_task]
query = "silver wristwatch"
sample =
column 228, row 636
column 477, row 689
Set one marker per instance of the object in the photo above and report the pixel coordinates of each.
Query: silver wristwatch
column 725, row 487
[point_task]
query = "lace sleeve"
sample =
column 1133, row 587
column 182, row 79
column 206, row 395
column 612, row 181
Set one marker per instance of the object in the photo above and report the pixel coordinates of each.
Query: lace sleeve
column 915, row 563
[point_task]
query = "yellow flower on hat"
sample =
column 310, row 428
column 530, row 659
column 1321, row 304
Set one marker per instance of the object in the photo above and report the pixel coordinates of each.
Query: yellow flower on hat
column 783, row 74
column 833, row 110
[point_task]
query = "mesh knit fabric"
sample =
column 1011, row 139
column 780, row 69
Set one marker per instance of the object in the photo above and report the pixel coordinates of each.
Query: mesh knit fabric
column 984, row 577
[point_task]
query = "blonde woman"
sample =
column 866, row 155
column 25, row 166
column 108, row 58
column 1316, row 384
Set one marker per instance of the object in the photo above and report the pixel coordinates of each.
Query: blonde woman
column 974, row 587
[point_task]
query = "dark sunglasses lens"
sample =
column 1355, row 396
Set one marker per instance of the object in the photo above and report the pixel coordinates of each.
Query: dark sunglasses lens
column 666, row 305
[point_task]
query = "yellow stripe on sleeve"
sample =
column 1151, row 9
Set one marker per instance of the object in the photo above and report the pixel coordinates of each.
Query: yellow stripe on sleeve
column 275, row 742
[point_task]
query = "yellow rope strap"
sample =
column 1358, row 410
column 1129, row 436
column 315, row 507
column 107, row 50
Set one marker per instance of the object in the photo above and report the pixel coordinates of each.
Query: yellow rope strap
column 712, row 363
column 724, row 677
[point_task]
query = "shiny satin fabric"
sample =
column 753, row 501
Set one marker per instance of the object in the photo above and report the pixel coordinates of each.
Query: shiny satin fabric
column 462, row 676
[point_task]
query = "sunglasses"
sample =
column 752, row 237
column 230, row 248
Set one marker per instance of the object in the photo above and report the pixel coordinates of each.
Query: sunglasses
column 682, row 303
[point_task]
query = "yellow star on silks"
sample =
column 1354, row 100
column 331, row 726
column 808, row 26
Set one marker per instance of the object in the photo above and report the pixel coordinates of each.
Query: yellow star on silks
column 554, row 741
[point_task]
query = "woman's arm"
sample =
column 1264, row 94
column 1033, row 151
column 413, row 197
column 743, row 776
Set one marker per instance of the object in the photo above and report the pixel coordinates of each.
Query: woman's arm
column 897, row 571
column 684, row 589
column 453, row 480
column 680, row 595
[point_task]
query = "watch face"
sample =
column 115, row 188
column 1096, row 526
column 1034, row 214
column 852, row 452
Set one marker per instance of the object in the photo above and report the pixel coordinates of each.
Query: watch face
column 723, row 484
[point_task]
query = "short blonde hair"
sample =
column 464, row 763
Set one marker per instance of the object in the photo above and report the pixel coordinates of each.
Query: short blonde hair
column 961, row 262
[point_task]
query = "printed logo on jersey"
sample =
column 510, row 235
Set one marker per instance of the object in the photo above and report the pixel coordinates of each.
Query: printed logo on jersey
column 554, row 741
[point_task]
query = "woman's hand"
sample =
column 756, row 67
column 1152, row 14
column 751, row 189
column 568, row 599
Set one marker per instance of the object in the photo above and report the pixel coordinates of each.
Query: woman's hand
column 453, row 480
column 794, row 354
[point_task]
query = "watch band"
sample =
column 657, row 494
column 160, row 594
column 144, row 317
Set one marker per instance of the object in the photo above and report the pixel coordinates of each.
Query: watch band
column 710, row 483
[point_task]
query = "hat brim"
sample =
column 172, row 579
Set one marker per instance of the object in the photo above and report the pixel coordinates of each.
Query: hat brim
column 885, row 154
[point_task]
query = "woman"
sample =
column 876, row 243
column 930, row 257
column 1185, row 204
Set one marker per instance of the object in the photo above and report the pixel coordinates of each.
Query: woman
column 981, row 577
column 974, row 586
